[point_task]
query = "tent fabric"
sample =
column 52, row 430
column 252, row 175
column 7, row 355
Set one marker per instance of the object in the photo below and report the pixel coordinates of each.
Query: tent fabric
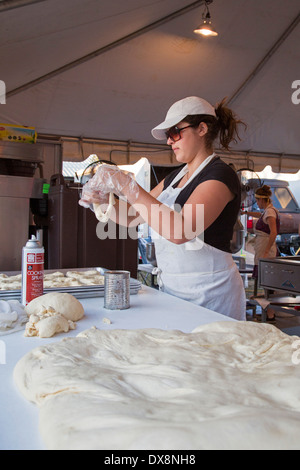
column 146, row 58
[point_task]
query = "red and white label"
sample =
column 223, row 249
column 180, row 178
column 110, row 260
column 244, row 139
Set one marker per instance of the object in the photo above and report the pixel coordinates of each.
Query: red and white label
column 34, row 276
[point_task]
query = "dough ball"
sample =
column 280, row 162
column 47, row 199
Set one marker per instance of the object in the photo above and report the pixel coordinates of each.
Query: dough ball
column 63, row 303
column 55, row 275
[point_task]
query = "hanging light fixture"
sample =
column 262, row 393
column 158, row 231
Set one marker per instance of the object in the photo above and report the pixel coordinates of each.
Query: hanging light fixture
column 206, row 28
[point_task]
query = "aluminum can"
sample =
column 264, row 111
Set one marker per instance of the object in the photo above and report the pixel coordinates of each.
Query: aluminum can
column 117, row 290
column 32, row 271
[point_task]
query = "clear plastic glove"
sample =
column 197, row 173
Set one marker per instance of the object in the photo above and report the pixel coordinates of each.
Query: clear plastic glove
column 90, row 196
column 110, row 179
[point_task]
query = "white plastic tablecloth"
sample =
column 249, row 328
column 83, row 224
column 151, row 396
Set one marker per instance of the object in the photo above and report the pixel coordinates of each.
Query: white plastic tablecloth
column 149, row 309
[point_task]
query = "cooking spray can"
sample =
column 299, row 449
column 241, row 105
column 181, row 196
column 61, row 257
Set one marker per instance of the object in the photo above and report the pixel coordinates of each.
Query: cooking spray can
column 32, row 270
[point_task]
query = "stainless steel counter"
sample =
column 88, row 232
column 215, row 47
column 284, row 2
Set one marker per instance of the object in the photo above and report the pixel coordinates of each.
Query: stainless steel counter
column 280, row 274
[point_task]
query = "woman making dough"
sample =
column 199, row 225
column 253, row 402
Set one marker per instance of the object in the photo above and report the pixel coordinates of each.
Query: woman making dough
column 194, row 264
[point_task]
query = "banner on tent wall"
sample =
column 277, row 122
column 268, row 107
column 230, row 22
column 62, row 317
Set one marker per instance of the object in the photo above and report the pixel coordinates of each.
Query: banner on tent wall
column 12, row 133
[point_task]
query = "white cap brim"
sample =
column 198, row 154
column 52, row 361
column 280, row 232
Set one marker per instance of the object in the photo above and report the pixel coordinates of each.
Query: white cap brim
column 192, row 105
column 159, row 132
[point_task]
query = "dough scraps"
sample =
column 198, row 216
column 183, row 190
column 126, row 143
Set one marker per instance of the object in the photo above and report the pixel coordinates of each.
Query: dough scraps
column 52, row 313
column 48, row 323
column 227, row 385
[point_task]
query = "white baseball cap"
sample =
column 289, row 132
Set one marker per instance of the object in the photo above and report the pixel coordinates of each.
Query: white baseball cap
column 191, row 105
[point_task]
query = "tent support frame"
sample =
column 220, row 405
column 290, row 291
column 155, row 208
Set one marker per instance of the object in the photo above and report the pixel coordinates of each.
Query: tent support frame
column 265, row 59
column 105, row 49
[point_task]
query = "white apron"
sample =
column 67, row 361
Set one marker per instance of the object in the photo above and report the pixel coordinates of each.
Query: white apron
column 198, row 272
column 261, row 240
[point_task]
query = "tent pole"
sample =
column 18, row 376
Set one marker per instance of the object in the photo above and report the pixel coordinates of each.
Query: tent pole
column 265, row 59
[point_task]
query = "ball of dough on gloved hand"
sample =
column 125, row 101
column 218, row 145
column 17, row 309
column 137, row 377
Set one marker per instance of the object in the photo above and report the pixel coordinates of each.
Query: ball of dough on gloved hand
column 63, row 303
column 104, row 216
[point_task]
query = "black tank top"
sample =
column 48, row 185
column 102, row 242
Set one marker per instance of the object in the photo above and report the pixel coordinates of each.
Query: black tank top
column 219, row 233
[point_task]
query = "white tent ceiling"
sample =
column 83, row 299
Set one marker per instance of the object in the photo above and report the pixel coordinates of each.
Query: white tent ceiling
column 109, row 69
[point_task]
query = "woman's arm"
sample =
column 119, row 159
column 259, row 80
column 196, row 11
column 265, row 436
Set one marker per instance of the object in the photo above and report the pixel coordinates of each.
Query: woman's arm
column 178, row 226
column 202, row 208
column 252, row 214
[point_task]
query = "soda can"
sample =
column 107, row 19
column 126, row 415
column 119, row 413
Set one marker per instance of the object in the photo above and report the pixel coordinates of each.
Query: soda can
column 32, row 271
column 117, row 290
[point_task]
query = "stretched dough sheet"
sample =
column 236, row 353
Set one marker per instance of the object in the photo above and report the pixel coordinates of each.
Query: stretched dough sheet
column 227, row 385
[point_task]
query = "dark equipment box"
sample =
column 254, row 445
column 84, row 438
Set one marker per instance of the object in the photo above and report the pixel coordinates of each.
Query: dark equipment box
column 72, row 234
column 280, row 274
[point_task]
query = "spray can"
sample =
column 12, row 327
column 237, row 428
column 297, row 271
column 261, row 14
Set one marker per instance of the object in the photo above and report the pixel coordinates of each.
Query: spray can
column 32, row 270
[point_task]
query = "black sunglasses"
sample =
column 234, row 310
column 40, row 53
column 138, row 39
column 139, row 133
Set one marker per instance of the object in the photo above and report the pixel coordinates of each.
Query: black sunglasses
column 174, row 132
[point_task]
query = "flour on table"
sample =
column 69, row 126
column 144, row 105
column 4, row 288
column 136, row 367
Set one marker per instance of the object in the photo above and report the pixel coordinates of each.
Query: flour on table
column 227, row 385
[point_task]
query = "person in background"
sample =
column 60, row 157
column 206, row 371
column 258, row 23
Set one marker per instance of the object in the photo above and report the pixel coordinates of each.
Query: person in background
column 266, row 231
column 199, row 268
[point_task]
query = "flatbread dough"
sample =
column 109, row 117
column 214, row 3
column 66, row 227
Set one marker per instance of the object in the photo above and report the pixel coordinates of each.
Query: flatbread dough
column 227, row 385
column 61, row 282
column 78, row 274
column 104, row 216
column 55, row 275
column 86, row 278
column 10, row 282
column 57, row 279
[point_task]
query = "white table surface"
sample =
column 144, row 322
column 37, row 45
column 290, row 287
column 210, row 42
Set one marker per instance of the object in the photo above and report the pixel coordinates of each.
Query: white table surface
column 149, row 309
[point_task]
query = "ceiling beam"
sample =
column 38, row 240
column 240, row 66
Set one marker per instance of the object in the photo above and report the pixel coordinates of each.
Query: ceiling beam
column 265, row 59
column 106, row 48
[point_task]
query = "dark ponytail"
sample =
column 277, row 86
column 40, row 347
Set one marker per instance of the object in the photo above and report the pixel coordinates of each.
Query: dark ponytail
column 228, row 123
column 225, row 125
